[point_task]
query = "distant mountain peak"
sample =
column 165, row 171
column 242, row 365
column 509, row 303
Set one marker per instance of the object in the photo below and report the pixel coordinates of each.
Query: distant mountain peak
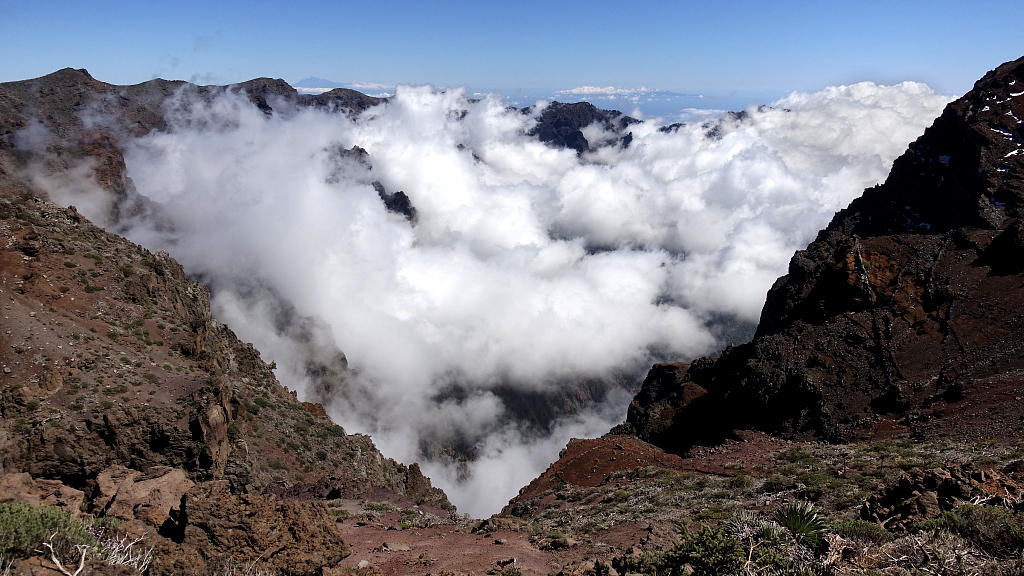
column 316, row 82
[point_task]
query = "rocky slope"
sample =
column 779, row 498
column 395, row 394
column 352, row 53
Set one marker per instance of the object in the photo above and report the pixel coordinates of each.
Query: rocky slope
column 903, row 314
column 123, row 398
column 127, row 399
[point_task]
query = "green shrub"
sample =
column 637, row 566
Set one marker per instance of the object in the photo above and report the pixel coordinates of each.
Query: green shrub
column 991, row 528
column 709, row 552
column 863, row 531
column 765, row 541
column 714, row 512
column 776, row 483
column 741, row 481
column 797, row 455
column 105, row 523
column 24, row 527
column 233, row 430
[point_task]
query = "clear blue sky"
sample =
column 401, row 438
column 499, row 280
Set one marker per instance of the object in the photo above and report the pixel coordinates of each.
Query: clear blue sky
column 708, row 47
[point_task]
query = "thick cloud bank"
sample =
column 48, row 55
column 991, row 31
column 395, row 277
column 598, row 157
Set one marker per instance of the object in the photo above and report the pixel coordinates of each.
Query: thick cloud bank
column 527, row 270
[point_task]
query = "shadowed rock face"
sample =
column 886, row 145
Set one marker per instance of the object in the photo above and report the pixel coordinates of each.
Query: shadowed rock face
column 907, row 307
column 561, row 125
column 342, row 98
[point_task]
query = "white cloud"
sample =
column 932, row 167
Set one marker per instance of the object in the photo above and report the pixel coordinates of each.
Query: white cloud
column 371, row 86
column 529, row 268
column 604, row 91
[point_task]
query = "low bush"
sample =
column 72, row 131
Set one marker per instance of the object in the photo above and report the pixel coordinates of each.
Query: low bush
column 24, row 527
column 709, row 552
column 991, row 528
column 863, row 531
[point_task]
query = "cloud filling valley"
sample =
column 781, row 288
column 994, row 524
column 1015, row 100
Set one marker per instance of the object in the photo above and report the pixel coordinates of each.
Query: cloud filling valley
column 534, row 287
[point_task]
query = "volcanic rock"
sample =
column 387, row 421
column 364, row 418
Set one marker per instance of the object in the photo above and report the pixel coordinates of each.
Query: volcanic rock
column 122, row 393
column 127, row 494
column 923, row 495
column 289, row 536
column 906, row 309
column 561, row 125
column 21, row 487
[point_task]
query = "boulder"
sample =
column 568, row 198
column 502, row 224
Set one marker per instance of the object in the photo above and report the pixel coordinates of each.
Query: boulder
column 289, row 536
column 927, row 494
column 21, row 487
column 127, row 494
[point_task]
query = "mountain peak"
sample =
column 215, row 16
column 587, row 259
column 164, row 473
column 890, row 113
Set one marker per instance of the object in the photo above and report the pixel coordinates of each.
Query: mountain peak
column 316, row 82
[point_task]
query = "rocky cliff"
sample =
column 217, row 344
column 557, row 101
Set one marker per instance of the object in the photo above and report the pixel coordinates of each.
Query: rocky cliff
column 904, row 313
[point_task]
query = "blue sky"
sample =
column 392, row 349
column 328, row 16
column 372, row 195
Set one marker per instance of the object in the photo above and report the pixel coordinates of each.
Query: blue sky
column 525, row 46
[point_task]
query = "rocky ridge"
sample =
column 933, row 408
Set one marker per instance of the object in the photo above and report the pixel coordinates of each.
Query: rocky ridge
column 120, row 387
column 123, row 398
column 905, row 309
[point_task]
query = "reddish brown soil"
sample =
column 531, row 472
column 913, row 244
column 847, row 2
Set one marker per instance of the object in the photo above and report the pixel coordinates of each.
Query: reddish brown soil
column 446, row 547
column 989, row 410
column 590, row 462
column 461, row 550
column 585, row 463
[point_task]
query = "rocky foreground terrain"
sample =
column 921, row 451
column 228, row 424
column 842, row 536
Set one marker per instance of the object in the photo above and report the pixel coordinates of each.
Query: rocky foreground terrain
column 872, row 426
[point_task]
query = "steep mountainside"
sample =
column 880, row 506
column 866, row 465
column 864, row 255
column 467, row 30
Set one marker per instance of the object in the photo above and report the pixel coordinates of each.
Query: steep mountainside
column 122, row 397
column 904, row 313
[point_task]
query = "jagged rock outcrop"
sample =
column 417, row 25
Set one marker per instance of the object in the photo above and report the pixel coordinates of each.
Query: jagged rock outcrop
column 905, row 312
column 129, row 494
column 21, row 487
column 561, row 125
column 923, row 495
